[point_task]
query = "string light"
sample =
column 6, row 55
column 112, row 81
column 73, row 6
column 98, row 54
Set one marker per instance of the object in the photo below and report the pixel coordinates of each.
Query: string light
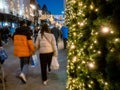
column 72, row 46
column 116, row 40
column 106, row 83
column 91, row 7
column 105, row 29
column 74, row 59
column 95, row 41
column 80, row 24
column 111, row 32
column 91, row 65
column 99, row 52
column 96, row 10
column 83, row 56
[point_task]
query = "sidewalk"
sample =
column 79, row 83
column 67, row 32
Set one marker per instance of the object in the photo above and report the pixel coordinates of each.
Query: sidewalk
column 57, row 79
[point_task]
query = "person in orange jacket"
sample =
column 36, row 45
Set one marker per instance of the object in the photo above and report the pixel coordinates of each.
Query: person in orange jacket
column 23, row 48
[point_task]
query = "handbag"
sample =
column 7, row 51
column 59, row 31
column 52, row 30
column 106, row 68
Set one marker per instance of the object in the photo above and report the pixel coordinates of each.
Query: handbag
column 34, row 60
column 3, row 55
column 54, row 64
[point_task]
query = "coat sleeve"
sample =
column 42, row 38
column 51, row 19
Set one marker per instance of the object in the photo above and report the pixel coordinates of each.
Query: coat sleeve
column 55, row 50
column 31, row 46
column 37, row 42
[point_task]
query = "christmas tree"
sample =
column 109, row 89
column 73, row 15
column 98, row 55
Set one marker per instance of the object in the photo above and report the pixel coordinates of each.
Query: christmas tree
column 93, row 44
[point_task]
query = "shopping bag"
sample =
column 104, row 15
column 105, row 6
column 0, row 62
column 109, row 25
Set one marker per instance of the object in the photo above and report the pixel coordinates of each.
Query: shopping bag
column 54, row 64
column 34, row 60
column 3, row 55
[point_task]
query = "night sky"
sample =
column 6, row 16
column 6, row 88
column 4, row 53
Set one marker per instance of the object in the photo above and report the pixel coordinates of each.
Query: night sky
column 54, row 6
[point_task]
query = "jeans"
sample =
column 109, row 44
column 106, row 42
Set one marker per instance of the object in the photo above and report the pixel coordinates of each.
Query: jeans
column 24, row 63
column 5, row 38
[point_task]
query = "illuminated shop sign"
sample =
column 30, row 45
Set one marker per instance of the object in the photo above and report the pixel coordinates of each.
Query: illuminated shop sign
column 4, row 7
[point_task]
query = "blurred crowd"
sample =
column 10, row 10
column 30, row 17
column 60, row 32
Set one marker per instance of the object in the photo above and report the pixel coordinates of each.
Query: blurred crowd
column 26, row 41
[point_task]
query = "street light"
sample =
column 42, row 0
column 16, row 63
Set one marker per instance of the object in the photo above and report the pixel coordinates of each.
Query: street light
column 33, row 6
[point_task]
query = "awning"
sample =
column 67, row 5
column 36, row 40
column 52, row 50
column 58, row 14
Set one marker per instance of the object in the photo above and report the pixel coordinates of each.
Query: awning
column 8, row 17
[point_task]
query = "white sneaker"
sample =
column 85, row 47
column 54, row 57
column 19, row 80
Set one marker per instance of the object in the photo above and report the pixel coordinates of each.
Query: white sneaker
column 45, row 82
column 22, row 77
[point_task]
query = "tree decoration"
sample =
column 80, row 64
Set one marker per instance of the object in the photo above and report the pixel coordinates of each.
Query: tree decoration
column 93, row 44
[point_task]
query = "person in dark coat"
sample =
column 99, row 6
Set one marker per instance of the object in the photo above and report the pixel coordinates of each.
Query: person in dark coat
column 56, row 32
column 5, row 34
column 36, row 31
column 30, row 30
column 1, row 61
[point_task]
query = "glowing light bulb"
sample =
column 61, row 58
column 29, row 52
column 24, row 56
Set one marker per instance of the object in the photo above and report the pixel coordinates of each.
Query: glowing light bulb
column 95, row 41
column 106, row 83
column 96, row 33
column 94, row 50
column 96, row 10
column 83, row 62
column 105, row 29
column 89, row 86
column 91, row 65
column 91, row 47
column 111, row 32
column 80, row 4
column 116, row 40
column 80, row 23
column 99, row 52
column 91, row 7
column 74, row 34
column 74, row 59
column 73, row 47
column 78, row 67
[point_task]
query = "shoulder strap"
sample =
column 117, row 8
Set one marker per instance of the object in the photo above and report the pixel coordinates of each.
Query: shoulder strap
column 47, row 39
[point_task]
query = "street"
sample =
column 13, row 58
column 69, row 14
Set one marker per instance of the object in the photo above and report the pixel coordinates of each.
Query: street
column 56, row 79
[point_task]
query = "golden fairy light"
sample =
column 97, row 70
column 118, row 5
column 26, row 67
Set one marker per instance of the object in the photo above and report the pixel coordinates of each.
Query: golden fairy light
column 74, row 59
column 80, row 4
column 91, row 65
column 78, row 67
column 99, row 52
column 105, row 29
column 96, row 10
column 94, row 50
column 95, row 41
column 96, row 33
column 72, row 46
column 73, row 1
column 112, row 50
column 116, row 40
column 91, row 7
column 106, row 83
column 74, row 34
column 83, row 62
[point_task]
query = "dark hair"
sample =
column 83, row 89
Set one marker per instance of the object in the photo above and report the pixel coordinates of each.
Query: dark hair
column 29, row 23
column 45, row 28
column 22, row 23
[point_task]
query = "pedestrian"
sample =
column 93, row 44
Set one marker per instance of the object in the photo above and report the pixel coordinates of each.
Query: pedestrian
column 5, row 34
column 1, row 30
column 30, row 30
column 1, row 47
column 46, row 45
column 56, row 32
column 64, row 31
column 36, row 30
column 23, row 48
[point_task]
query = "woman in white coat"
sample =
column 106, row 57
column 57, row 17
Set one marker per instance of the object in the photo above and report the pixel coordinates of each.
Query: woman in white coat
column 46, row 45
